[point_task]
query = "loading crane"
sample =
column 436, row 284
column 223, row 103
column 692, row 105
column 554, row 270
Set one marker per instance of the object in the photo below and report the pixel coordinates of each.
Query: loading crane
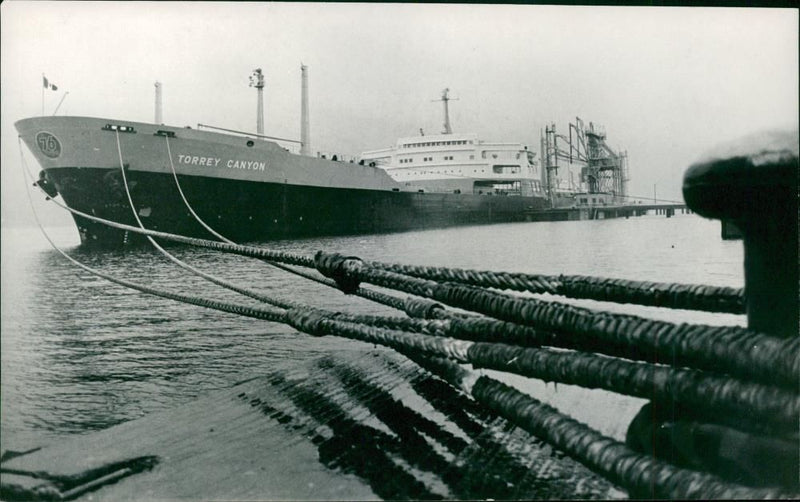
column 603, row 171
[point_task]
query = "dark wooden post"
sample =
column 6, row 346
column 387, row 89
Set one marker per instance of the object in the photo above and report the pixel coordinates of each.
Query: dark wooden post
column 754, row 184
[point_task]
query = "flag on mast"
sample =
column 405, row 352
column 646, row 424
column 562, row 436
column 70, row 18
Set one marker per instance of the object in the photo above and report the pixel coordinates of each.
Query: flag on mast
column 48, row 85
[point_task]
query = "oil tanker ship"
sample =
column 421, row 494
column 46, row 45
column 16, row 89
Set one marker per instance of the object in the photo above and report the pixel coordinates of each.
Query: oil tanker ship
column 251, row 188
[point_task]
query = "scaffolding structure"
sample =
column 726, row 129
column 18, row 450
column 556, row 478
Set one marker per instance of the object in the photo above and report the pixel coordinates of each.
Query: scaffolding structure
column 604, row 170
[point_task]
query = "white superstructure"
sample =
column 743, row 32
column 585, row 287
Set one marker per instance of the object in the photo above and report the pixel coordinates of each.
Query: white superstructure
column 448, row 162
column 463, row 163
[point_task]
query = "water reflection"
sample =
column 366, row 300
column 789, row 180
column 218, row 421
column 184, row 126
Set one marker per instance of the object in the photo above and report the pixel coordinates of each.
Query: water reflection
column 410, row 435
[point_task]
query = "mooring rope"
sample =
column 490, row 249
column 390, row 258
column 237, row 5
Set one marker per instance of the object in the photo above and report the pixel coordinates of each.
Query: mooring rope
column 298, row 313
column 730, row 349
column 266, row 255
column 414, row 326
column 716, row 396
column 209, row 277
column 375, row 296
column 186, row 202
column 258, row 313
column 737, row 351
column 676, row 296
column 224, row 247
column 697, row 297
column 730, row 396
column 589, row 372
column 712, row 396
column 642, row 475
column 608, row 457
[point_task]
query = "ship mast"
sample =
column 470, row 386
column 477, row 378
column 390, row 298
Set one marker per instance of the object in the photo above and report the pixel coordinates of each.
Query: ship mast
column 445, row 99
column 305, row 135
column 257, row 81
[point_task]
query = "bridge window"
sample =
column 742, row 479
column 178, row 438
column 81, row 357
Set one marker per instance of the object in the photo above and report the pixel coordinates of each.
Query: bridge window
column 504, row 169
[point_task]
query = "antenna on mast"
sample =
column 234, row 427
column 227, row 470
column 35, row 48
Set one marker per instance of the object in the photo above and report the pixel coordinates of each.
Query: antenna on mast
column 257, row 81
column 445, row 99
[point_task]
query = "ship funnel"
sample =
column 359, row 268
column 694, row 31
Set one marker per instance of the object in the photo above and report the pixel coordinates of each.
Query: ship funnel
column 305, row 135
column 158, row 119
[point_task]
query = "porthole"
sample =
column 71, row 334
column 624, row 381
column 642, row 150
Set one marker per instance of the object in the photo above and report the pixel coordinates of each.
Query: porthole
column 250, row 142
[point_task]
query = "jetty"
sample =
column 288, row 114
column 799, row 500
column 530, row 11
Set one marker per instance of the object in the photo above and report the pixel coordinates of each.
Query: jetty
column 424, row 413
column 602, row 212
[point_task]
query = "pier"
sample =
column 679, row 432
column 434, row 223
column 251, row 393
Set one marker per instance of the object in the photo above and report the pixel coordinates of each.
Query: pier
column 601, row 212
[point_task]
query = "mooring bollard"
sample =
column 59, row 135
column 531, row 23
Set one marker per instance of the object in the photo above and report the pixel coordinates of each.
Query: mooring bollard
column 753, row 183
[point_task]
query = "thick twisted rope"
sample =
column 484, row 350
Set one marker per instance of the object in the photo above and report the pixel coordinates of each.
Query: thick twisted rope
column 591, row 371
column 232, row 308
column 642, row 475
column 771, row 405
column 601, row 454
column 719, row 398
column 677, row 296
column 275, row 258
column 733, row 350
column 633, row 472
column 604, row 455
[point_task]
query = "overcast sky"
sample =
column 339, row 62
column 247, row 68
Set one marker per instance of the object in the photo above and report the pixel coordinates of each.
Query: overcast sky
column 666, row 83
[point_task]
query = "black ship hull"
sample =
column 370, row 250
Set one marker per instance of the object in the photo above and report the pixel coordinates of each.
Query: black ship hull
column 249, row 212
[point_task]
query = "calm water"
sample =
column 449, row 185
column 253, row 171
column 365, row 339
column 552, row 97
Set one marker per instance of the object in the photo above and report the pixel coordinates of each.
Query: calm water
column 80, row 354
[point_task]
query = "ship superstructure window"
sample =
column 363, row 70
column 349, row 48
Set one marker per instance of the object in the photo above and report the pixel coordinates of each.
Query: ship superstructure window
column 435, row 143
column 505, row 169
